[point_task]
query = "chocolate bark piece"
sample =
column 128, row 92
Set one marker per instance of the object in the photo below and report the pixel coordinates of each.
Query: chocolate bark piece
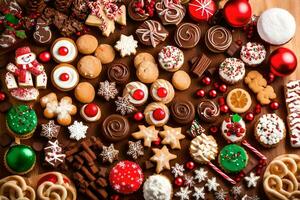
column 200, row 65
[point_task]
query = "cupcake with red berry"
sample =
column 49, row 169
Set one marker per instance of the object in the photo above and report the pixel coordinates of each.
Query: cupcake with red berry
column 162, row 91
column 90, row 112
column 157, row 114
column 233, row 128
column 253, row 54
column 137, row 93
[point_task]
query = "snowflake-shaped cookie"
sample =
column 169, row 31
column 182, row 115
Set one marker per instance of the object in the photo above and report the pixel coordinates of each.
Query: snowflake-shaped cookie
column 50, row 130
column 199, row 193
column 77, row 130
column 251, row 180
column 135, row 149
column 109, row 154
column 177, row 170
column 124, row 106
column 212, row 184
column 200, row 174
column 184, row 193
column 221, row 195
column 126, row 45
column 236, row 190
column 107, row 90
column 53, row 153
column 189, row 181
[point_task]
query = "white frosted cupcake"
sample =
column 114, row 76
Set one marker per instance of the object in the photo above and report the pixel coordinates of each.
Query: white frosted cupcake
column 157, row 187
column 253, row 54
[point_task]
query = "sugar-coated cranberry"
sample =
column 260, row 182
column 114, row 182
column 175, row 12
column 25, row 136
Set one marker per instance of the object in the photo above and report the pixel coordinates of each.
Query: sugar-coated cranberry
column 178, row 181
column 159, row 114
column 224, row 108
column 274, row 105
column 190, row 165
column 64, row 77
column 249, row 117
column 212, row 93
column 91, row 110
column 200, row 93
column 162, row 92
column 138, row 94
column 206, row 80
column 138, row 116
column 63, row 51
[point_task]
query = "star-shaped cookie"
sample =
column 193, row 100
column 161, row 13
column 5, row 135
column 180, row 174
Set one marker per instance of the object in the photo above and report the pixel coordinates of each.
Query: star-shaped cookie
column 148, row 134
column 171, row 136
column 126, row 45
column 162, row 158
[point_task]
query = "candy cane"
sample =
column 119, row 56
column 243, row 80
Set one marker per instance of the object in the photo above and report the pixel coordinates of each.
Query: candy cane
column 254, row 150
column 225, row 176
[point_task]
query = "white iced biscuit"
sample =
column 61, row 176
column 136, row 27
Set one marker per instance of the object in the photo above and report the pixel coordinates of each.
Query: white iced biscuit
column 157, row 187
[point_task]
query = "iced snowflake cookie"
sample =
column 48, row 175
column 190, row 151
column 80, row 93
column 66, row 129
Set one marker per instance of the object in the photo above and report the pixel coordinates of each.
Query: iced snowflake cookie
column 137, row 93
column 126, row 45
column 77, row 130
column 269, row 130
column 162, row 91
column 233, row 158
column 156, row 114
column 64, row 50
column 21, row 121
column 90, row 112
column 157, row 187
column 232, row 70
column 253, row 53
column 126, row 177
column 203, row 148
column 233, row 128
column 171, row 58
column 64, row 77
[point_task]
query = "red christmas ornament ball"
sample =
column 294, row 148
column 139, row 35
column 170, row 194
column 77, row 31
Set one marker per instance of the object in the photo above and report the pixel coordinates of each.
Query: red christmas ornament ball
column 237, row 13
column 190, row 165
column 274, row 105
column 178, row 181
column 282, row 61
column 91, row 110
column 2, row 96
column 138, row 116
column 45, row 56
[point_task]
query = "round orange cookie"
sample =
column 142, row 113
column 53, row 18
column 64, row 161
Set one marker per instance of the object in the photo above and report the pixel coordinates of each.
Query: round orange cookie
column 105, row 53
column 85, row 92
column 87, row 44
column 89, row 67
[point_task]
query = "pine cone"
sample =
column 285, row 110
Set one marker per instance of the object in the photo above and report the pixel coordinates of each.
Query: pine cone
column 80, row 9
column 63, row 5
column 35, row 6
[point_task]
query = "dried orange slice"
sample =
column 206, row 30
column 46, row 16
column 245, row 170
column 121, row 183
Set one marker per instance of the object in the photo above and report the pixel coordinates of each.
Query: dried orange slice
column 238, row 100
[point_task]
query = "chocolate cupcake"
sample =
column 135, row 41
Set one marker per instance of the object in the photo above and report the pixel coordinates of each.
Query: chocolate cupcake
column 115, row 128
column 187, row 35
column 218, row 39
column 118, row 73
column 183, row 112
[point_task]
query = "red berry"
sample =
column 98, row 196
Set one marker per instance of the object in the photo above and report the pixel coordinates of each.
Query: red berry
column 2, row 96
column 200, row 93
column 91, row 110
column 249, row 117
column 274, row 105
column 115, row 197
column 190, row 165
column 223, row 88
column 212, row 93
column 206, row 80
column 178, row 181
column 159, row 114
column 138, row 116
column 221, row 101
column 216, row 85
column 213, row 129
column 257, row 109
column 157, row 142
column 63, row 51
column 162, row 92
column 64, row 77
column 224, row 108
column 45, row 56
column 138, row 94
column 271, row 77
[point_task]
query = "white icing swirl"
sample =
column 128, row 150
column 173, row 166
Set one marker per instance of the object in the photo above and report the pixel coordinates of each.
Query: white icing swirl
column 170, row 11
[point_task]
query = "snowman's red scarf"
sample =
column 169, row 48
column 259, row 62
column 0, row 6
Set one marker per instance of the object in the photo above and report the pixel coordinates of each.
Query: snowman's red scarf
column 33, row 67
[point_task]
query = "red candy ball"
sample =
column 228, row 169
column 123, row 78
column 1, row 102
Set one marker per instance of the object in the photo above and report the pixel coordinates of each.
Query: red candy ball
column 202, row 10
column 212, row 93
column 159, row 114
column 200, row 93
column 271, row 78
column 274, row 105
column 257, row 109
column 2, row 96
column 216, row 85
column 138, row 116
column 221, row 101
column 213, row 129
column 115, row 197
column 224, row 109
column 138, row 94
column 282, row 62
column 157, row 142
column 249, row 117
column 162, row 92
column 190, row 165
column 223, row 88
column 45, row 56
column 64, row 77
column 237, row 13
column 126, row 177
column 91, row 110
column 63, row 51
column 178, row 181
column 206, row 80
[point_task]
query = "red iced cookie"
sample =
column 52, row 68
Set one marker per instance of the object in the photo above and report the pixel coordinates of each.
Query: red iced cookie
column 202, row 10
column 126, row 177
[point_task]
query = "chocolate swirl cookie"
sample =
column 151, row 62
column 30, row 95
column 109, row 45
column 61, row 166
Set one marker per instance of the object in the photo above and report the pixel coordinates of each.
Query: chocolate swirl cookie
column 218, row 39
column 118, row 73
column 187, row 35
column 208, row 111
column 183, row 112
column 115, row 128
column 151, row 32
column 170, row 11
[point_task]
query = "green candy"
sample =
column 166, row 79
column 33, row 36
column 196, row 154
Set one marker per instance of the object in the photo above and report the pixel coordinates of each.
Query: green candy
column 233, row 158
column 20, row 158
column 21, row 120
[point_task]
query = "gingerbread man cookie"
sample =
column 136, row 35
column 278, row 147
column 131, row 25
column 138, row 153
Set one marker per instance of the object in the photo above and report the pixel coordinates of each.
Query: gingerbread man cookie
column 62, row 109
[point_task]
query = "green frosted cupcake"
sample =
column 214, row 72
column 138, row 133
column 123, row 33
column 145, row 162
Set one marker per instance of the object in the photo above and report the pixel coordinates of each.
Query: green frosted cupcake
column 233, row 158
column 21, row 121
column 19, row 159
